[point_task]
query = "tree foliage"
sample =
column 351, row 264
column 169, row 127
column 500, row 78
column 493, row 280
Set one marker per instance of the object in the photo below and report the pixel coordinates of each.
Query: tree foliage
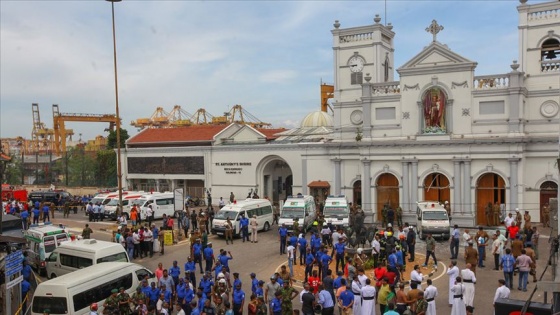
column 112, row 138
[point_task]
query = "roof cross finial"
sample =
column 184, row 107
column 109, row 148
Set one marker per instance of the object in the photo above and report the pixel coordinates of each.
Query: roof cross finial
column 434, row 29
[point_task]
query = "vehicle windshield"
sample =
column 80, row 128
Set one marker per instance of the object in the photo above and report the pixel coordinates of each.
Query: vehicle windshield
column 56, row 305
column 291, row 212
column 113, row 202
column 138, row 202
column 224, row 214
column 96, row 200
column 50, row 244
column 435, row 215
column 335, row 211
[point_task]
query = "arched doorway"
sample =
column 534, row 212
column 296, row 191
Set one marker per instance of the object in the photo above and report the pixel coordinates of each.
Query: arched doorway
column 357, row 193
column 276, row 177
column 490, row 187
column 436, row 188
column 387, row 188
column 548, row 189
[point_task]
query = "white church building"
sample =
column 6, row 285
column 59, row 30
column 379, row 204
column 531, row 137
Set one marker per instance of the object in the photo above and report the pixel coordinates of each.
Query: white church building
column 440, row 133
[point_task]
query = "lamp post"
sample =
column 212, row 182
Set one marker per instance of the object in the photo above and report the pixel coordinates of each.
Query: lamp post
column 118, row 124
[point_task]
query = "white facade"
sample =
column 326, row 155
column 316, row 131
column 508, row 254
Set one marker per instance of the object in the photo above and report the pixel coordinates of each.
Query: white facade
column 441, row 132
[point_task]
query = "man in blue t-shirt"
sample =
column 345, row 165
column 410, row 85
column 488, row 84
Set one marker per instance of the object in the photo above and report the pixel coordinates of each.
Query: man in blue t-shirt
column 208, row 257
column 238, row 300
column 346, row 301
column 325, row 261
column 24, row 215
column 244, row 225
column 276, row 304
column 309, row 260
column 224, row 258
column 175, row 272
column 339, row 249
column 282, row 234
column 197, row 252
column 302, row 243
column 190, row 270
column 46, row 217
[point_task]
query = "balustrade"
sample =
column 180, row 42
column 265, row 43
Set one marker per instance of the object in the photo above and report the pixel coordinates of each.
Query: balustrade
column 356, row 37
column 487, row 82
column 543, row 15
column 550, row 66
column 386, row 88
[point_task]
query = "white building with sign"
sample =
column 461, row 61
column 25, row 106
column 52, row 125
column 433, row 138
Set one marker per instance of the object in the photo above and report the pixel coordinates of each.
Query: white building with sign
column 439, row 133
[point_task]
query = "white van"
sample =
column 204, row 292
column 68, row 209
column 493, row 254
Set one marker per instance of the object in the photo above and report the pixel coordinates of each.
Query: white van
column 262, row 208
column 432, row 219
column 75, row 292
column 111, row 207
column 162, row 203
column 337, row 210
column 78, row 254
column 41, row 241
column 300, row 207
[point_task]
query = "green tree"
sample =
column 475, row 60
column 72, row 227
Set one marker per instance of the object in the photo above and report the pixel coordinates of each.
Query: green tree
column 106, row 168
column 12, row 171
column 112, row 138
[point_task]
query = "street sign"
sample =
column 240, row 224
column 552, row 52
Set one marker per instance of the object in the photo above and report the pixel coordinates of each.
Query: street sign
column 14, row 263
column 14, row 282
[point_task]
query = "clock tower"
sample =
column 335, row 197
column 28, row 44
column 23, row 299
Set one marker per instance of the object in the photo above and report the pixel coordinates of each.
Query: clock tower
column 359, row 51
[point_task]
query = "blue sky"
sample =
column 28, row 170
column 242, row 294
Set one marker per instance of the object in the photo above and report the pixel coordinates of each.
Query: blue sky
column 268, row 56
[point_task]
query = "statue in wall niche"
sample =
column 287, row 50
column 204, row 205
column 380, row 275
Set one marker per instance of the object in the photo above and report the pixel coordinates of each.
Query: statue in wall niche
column 434, row 101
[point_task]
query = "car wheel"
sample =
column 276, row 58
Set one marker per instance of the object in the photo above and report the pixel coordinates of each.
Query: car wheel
column 266, row 227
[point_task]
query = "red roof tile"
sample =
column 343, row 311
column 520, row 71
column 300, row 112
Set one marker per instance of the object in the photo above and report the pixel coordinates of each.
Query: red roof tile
column 198, row 133
column 271, row 133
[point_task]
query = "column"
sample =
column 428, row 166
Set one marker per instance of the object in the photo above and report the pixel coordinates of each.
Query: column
column 304, row 176
column 366, row 187
column 513, row 182
column 414, row 182
column 405, row 186
column 467, row 205
column 337, row 176
column 456, row 206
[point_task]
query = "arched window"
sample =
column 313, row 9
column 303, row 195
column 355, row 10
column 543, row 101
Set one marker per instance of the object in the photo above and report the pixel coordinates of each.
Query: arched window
column 550, row 55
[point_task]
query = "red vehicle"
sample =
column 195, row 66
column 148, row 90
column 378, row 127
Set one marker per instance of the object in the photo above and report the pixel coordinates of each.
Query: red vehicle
column 10, row 192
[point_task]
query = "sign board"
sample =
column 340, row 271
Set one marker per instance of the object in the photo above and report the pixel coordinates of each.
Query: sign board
column 168, row 237
column 179, row 198
column 14, row 282
column 14, row 263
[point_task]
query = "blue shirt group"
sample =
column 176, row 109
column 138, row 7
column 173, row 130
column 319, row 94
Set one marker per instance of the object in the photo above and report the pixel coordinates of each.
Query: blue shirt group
column 276, row 306
column 293, row 240
column 238, row 296
column 224, row 260
column 302, row 243
column 507, row 262
column 190, row 266
column 309, row 258
column 244, row 222
column 208, row 253
column 282, row 231
column 175, row 271
column 340, row 247
column 197, row 249
column 346, row 297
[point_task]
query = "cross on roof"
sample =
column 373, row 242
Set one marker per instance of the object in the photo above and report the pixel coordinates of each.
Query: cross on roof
column 434, row 29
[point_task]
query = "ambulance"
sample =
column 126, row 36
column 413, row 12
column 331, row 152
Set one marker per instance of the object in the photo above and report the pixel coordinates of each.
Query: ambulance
column 299, row 208
column 337, row 210
column 41, row 241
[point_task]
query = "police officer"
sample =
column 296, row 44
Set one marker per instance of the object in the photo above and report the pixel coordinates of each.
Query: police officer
column 282, row 234
column 238, row 297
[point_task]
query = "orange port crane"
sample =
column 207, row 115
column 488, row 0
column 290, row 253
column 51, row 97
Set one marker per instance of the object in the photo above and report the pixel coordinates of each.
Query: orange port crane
column 60, row 131
column 327, row 92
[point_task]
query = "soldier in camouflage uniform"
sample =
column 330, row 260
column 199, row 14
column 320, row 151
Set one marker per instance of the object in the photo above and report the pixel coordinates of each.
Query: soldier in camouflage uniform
column 124, row 302
column 137, row 296
column 220, row 308
column 296, row 226
column 261, row 306
column 398, row 212
column 111, row 303
column 288, row 294
column 384, row 214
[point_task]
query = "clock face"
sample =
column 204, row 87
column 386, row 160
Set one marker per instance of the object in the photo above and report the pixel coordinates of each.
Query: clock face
column 356, row 64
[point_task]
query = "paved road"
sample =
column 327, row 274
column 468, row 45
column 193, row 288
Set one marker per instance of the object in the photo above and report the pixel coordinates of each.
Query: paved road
column 263, row 258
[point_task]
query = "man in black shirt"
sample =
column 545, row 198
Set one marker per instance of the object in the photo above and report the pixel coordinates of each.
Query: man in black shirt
column 411, row 242
column 307, row 301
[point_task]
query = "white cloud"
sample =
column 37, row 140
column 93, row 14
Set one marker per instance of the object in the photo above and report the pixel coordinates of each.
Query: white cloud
column 278, row 76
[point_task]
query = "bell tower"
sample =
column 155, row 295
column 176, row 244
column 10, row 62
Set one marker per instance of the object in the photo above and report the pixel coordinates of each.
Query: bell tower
column 359, row 51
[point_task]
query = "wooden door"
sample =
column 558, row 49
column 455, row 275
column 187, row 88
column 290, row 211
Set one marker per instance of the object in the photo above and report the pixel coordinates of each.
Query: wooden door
column 490, row 188
column 549, row 190
column 387, row 193
column 436, row 188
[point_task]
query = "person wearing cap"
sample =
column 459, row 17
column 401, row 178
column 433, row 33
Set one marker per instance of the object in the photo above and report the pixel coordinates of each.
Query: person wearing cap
column 190, row 270
column 137, row 296
column 411, row 242
column 112, row 302
column 208, row 253
column 175, row 272
column 254, row 224
column 238, row 299
column 197, row 253
column 254, row 282
column 259, row 291
column 282, row 235
column 518, row 217
column 124, row 301
column 244, row 226
column 225, row 257
column 270, row 289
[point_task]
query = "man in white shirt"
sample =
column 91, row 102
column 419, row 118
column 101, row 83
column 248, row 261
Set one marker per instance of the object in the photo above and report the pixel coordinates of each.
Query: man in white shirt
column 497, row 248
column 290, row 252
column 430, row 295
column 221, row 203
column 469, row 280
column 467, row 237
column 502, row 292
column 376, row 249
column 453, row 273
column 416, row 275
column 149, row 241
